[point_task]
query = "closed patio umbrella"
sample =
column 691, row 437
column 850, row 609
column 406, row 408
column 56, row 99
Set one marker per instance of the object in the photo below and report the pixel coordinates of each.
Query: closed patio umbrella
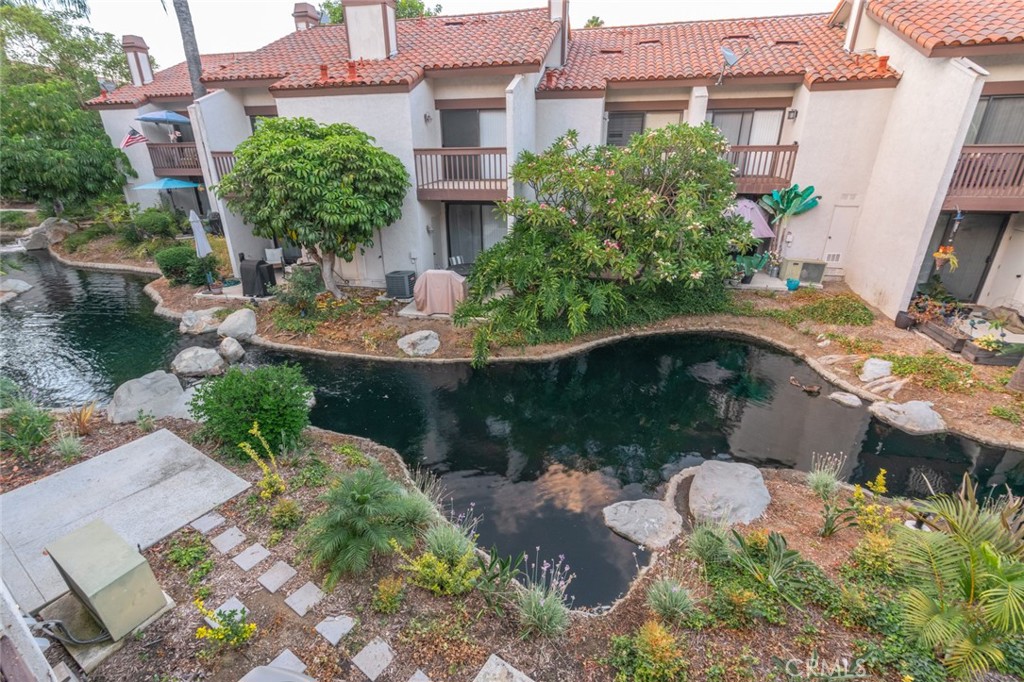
column 759, row 226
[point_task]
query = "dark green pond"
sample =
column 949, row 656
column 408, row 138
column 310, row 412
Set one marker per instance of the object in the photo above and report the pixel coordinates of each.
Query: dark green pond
column 538, row 448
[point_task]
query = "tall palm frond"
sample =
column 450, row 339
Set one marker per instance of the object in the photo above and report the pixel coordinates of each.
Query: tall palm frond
column 935, row 561
column 937, row 625
column 970, row 656
column 1002, row 599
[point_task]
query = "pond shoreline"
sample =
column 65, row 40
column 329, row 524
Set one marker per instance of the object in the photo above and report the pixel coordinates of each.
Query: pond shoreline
column 722, row 325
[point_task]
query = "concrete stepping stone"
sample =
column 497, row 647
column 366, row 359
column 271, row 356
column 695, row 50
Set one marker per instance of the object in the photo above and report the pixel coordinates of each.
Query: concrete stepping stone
column 277, row 576
column 333, row 628
column 374, row 658
column 419, row 676
column 204, row 524
column 304, row 598
column 232, row 604
column 286, row 660
column 228, row 540
column 251, row 556
column 498, row 670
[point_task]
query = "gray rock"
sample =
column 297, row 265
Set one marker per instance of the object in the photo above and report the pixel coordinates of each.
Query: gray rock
column 875, row 369
column 198, row 362
column 198, row 321
column 845, row 399
column 728, row 492
column 231, row 350
column 240, row 325
column 181, row 408
column 711, row 373
column 50, row 231
column 650, row 523
column 18, row 286
column 158, row 394
column 915, row 417
column 498, row 670
column 420, row 344
column 690, row 459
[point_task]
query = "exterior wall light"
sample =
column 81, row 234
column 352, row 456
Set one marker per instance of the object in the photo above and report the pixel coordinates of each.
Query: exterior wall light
column 427, row 118
column 792, row 114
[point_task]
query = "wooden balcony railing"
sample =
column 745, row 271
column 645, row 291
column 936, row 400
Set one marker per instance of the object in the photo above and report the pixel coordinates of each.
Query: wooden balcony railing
column 174, row 159
column 223, row 162
column 988, row 177
column 761, row 168
column 461, row 174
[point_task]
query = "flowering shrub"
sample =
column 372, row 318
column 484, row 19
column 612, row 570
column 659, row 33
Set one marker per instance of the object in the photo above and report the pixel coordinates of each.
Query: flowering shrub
column 232, row 627
column 989, row 342
column 542, row 605
column 614, row 236
column 271, row 483
column 652, row 655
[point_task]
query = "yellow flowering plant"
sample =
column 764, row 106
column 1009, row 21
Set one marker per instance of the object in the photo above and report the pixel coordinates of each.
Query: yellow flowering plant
column 271, row 483
column 232, row 627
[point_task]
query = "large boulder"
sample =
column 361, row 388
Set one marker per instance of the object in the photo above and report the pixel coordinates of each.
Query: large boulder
column 157, row 393
column 420, row 344
column 845, row 399
column 231, row 350
column 50, row 231
column 240, row 325
column 198, row 321
column 198, row 362
column 651, row 523
column 915, row 417
column 874, row 368
column 17, row 286
column 728, row 492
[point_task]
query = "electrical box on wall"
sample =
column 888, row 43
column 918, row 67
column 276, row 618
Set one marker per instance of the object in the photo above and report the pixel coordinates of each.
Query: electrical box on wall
column 109, row 576
column 809, row 271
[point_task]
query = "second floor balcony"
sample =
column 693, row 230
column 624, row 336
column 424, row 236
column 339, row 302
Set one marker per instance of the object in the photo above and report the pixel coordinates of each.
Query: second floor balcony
column 174, row 159
column 987, row 177
column 462, row 174
column 761, row 168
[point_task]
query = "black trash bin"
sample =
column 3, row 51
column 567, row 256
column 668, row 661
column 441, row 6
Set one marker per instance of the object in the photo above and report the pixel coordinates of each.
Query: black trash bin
column 252, row 277
column 267, row 277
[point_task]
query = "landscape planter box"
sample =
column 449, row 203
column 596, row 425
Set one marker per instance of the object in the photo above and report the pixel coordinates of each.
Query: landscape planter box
column 980, row 356
column 944, row 335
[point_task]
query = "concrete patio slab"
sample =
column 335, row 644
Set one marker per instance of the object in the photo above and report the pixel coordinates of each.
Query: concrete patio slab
column 204, row 524
column 228, row 540
column 251, row 556
column 374, row 658
column 232, row 604
column 333, row 628
column 287, row 660
column 304, row 598
column 145, row 490
column 276, row 576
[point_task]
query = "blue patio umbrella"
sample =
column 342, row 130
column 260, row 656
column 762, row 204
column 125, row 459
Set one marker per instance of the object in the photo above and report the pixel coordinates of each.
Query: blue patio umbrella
column 168, row 183
column 164, row 117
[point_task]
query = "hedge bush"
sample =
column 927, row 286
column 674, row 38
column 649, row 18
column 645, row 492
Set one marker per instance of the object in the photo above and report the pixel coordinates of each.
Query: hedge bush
column 275, row 396
column 155, row 222
column 175, row 263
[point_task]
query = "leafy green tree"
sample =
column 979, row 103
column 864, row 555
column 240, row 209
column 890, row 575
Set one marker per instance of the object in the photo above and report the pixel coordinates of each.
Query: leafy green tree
column 611, row 231
column 324, row 187
column 54, row 151
column 594, row 22
column 41, row 46
column 404, row 9
column 966, row 594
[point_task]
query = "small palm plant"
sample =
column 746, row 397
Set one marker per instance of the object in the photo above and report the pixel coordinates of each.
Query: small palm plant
column 784, row 204
column 966, row 592
column 366, row 510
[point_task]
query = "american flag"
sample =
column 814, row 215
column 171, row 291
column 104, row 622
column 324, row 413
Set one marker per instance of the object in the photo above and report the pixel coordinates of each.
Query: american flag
column 133, row 137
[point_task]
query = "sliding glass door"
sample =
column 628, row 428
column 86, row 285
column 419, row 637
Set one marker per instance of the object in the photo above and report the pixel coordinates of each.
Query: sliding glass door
column 472, row 228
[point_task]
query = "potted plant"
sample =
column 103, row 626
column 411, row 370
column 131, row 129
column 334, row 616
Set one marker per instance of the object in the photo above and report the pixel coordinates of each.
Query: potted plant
column 992, row 350
column 216, row 287
column 946, row 254
column 747, row 266
column 935, row 319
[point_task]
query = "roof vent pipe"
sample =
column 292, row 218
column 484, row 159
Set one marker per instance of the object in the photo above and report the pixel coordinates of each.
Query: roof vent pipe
column 352, row 71
column 883, row 64
column 323, row 73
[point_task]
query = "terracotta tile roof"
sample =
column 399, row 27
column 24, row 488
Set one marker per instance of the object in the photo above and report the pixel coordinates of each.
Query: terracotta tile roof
column 430, row 43
column 803, row 46
column 932, row 24
column 170, row 82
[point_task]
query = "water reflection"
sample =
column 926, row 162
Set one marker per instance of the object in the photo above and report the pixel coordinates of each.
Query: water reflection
column 540, row 448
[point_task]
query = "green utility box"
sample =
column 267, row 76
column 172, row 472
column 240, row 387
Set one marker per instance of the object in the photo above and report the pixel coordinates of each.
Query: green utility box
column 111, row 578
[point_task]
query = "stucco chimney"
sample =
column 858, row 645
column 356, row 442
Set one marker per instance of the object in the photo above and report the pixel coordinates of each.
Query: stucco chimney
column 137, row 52
column 370, row 25
column 558, row 11
column 305, row 16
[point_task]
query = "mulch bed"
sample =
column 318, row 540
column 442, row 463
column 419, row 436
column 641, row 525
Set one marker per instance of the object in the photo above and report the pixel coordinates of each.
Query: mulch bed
column 450, row 639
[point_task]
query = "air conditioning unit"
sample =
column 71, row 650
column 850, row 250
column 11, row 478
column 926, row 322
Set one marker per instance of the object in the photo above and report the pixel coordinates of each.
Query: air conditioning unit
column 400, row 283
column 808, row 271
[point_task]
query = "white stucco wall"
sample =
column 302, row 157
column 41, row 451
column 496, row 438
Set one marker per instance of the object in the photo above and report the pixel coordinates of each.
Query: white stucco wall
column 839, row 133
column 469, row 87
column 934, row 103
column 557, row 116
column 116, row 123
column 220, row 124
column 406, row 245
column 1004, row 285
column 520, row 120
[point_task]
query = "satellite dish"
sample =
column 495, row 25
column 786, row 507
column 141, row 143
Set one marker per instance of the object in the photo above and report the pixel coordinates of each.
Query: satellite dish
column 730, row 57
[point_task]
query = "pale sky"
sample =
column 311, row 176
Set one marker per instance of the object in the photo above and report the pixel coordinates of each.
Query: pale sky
column 242, row 25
